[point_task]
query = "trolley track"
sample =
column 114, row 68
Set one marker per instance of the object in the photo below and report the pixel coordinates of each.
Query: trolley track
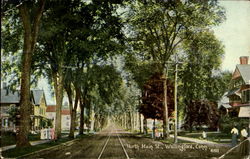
column 113, row 143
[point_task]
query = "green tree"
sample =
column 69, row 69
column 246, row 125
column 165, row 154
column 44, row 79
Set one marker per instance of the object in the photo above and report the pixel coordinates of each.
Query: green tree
column 159, row 29
column 30, row 15
column 74, row 38
column 201, row 79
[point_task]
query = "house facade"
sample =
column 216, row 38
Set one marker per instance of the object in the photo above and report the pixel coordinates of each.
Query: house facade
column 239, row 93
column 9, row 105
column 9, row 100
column 65, row 117
column 38, row 116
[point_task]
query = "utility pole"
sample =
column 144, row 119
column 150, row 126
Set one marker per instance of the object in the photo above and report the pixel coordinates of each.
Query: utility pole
column 175, row 100
column 175, row 104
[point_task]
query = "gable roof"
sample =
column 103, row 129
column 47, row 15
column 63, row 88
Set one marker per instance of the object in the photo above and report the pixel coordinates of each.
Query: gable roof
column 10, row 97
column 37, row 94
column 224, row 101
column 244, row 72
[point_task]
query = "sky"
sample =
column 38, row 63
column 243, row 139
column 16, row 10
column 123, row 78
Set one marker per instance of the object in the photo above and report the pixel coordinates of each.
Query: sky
column 234, row 32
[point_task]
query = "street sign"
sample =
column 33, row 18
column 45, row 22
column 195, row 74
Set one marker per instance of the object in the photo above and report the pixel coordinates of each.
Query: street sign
column 244, row 112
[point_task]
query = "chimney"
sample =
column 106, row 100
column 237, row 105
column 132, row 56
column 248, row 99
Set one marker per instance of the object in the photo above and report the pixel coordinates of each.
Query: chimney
column 244, row 60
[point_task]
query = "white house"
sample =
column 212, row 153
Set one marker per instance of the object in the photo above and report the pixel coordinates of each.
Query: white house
column 65, row 120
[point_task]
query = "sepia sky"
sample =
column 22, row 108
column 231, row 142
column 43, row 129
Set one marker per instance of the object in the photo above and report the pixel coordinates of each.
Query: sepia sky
column 234, row 32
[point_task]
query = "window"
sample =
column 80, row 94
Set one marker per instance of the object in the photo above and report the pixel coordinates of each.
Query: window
column 67, row 123
column 246, row 96
column 5, row 122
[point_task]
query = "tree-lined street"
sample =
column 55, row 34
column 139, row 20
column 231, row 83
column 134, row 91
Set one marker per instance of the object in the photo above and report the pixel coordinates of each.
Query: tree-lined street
column 124, row 79
column 114, row 142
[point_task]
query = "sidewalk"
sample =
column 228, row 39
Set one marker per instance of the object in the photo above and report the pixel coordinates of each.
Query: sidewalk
column 33, row 143
column 201, row 141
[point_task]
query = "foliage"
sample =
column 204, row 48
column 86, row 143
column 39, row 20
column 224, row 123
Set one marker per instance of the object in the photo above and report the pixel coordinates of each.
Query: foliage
column 201, row 113
column 198, row 74
column 227, row 123
column 13, row 112
column 201, row 79
column 158, row 28
column 153, row 96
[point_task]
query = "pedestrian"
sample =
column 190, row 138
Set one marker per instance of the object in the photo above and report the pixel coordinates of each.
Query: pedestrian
column 156, row 133
column 52, row 133
column 234, row 133
column 244, row 142
column 204, row 135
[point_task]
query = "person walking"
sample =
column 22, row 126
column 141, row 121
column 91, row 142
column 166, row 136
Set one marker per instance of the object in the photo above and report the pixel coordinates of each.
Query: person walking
column 204, row 134
column 244, row 142
column 234, row 133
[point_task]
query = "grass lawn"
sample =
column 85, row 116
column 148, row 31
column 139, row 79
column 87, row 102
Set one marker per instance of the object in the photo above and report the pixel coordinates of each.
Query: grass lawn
column 16, row 152
column 167, row 141
column 9, row 138
column 211, row 136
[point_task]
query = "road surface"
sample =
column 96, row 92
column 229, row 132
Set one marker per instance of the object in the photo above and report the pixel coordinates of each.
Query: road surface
column 115, row 143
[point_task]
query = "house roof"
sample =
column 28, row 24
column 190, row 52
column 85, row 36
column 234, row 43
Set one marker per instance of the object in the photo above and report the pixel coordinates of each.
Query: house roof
column 245, row 72
column 52, row 108
column 65, row 112
column 233, row 91
column 9, row 96
column 224, row 101
column 14, row 97
column 37, row 94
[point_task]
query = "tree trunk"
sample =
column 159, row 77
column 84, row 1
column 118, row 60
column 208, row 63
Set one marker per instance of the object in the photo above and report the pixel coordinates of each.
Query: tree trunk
column 30, row 38
column 70, row 99
column 125, row 120
column 131, row 120
column 165, row 112
column 81, row 127
column 145, row 130
column 154, row 128
column 140, row 123
column 92, row 116
column 73, row 115
column 58, row 87
column 72, row 124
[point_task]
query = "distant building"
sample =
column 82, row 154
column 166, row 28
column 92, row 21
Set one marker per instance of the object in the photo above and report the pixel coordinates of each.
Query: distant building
column 239, row 93
column 65, row 120
column 11, row 100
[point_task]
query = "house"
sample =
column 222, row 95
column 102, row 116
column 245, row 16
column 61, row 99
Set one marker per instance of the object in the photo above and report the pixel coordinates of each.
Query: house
column 38, row 116
column 10, row 100
column 239, row 93
column 65, row 116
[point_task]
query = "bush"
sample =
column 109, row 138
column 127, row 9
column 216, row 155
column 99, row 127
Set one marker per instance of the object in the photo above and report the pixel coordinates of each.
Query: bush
column 226, row 123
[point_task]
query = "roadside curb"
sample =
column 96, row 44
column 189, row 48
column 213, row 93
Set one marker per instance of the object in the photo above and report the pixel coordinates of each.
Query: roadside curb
column 48, row 149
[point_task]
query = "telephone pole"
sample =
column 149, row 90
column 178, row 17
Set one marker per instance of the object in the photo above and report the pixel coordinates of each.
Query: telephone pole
column 175, row 104
column 175, row 100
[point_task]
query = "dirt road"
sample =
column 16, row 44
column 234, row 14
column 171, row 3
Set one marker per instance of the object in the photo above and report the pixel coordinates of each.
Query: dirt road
column 115, row 143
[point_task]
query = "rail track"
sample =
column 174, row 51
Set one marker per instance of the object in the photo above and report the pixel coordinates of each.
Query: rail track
column 113, row 135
